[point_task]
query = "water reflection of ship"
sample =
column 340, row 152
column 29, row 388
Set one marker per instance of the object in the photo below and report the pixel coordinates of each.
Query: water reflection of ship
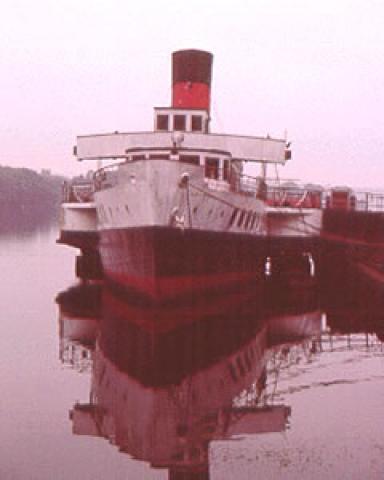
column 159, row 345
column 291, row 298
column 163, row 394
column 352, row 293
column 79, row 317
column 171, row 426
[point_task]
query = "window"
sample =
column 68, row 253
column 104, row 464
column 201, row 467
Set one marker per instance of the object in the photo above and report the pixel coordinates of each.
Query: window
column 179, row 123
column 254, row 217
column 226, row 170
column 162, row 122
column 212, row 168
column 233, row 216
column 197, row 123
column 138, row 157
column 159, row 156
column 248, row 219
column 194, row 159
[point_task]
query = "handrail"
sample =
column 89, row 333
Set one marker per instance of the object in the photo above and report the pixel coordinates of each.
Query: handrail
column 369, row 201
column 295, row 194
column 78, row 191
column 277, row 193
column 104, row 177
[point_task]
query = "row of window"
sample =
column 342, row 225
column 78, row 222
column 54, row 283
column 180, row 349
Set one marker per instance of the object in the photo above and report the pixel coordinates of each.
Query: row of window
column 212, row 168
column 163, row 123
column 247, row 219
column 193, row 159
column 104, row 212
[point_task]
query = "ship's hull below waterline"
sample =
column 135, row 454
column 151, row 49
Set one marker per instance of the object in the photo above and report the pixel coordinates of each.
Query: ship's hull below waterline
column 166, row 263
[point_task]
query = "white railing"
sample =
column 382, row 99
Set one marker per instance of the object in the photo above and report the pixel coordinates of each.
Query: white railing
column 78, row 191
column 369, row 201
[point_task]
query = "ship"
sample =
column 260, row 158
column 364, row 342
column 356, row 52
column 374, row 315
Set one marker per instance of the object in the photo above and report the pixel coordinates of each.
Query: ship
column 176, row 211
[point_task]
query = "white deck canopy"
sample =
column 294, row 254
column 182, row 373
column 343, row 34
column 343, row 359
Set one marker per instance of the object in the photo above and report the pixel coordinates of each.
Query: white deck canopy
column 115, row 145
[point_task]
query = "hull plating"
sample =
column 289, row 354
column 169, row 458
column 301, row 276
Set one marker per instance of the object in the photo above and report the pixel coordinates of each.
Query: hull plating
column 164, row 263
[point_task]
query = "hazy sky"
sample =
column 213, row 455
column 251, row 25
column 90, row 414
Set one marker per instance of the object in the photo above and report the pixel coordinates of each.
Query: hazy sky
column 312, row 68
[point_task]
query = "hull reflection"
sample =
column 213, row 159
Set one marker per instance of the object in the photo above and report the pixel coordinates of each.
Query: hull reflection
column 163, row 394
column 160, row 346
column 169, row 379
column 352, row 294
column 292, row 308
column 79, row 322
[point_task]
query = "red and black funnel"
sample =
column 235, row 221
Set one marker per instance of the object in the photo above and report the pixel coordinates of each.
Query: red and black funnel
column 191, row 79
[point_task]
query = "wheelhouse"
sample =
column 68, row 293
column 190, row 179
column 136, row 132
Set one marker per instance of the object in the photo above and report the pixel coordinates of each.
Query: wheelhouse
column 215, row 163
column 181, row 120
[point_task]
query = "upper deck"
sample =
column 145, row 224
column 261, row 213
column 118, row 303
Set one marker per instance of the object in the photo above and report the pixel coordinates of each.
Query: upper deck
column 118, row 145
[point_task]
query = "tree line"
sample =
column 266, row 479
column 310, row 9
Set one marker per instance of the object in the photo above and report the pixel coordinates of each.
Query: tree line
column 28, row 199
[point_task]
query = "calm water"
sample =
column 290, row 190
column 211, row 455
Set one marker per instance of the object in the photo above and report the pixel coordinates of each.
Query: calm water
column 218, row 403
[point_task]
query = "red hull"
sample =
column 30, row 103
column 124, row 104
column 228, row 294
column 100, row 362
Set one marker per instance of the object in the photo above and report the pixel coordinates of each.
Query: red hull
column 164, row 264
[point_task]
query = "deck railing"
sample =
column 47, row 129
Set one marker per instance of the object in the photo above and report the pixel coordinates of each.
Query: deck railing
column 77, row 191
column 294, row 194
column 291, row 194
column 277, row 193
column 369, row 201
column 106, row 177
